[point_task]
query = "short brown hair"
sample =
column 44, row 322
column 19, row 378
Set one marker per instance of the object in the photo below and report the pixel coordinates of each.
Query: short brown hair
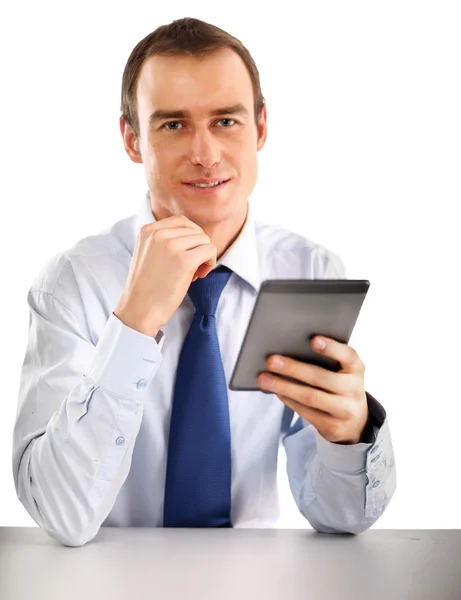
column 182, row 36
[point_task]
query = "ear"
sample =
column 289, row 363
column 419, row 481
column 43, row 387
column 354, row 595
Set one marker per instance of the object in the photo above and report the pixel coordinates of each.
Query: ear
column 262, row 128
column 130, row 141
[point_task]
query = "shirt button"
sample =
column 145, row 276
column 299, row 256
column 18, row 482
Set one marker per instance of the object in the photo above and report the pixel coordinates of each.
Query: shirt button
column 376, row 483
column 373, row 450
column 120, row 441
column 141, row 384
column 375, row 458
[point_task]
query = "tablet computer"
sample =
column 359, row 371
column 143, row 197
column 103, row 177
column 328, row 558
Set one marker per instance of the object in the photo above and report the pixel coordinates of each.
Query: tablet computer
column 287, row 314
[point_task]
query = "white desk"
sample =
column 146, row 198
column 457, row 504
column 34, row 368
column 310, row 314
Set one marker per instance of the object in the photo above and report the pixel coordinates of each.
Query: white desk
column 222, row 564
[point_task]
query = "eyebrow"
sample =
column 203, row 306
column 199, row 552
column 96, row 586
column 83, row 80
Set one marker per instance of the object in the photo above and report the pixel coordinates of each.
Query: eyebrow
column 161, row 114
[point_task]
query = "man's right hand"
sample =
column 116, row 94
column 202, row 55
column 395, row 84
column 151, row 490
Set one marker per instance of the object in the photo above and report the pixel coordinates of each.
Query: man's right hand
column 169, row 255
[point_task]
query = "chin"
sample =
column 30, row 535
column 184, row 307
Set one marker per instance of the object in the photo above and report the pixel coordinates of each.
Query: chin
column 209, row 214
column 209, row 211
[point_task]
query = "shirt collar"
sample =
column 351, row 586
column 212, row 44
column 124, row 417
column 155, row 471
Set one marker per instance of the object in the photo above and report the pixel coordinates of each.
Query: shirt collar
column 242, row 257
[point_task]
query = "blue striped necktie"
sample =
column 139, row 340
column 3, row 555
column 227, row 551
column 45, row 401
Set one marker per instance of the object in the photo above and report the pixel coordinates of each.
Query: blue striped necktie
column 198, row 475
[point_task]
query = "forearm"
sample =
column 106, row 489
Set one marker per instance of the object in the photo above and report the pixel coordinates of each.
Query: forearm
column 70, row 464
column 340, row 488
column 69, row 476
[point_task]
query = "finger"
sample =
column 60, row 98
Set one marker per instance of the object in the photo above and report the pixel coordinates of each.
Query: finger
column 305, row 394
column 176, row 221
column 189, row 242
column 313, row 375
column 167, row 233
column 203, row 270
column 204, row 256
column 320, row 420
column 347, row 357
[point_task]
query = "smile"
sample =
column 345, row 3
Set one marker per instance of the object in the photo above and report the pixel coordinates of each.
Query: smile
column 207, row 187
column 207, row 184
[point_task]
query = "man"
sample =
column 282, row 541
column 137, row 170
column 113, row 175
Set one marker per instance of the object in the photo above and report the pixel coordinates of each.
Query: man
column 125, row 417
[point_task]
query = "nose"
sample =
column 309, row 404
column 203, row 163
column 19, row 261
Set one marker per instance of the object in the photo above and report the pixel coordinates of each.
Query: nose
column 204, row 149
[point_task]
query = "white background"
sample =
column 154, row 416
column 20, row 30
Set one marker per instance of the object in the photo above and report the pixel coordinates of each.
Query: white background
column 363, row 156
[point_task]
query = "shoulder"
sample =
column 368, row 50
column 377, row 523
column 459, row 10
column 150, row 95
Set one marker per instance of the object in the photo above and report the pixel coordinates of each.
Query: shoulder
column 289, row 252
column 90, row 256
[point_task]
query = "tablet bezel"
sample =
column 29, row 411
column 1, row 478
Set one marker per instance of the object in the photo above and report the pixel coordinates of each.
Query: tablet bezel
column 301, row 286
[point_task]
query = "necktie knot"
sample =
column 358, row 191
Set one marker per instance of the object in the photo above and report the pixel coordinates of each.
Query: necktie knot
column 205, row 292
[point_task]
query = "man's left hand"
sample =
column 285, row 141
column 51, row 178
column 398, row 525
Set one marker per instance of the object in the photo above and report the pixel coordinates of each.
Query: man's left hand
column 339, row 410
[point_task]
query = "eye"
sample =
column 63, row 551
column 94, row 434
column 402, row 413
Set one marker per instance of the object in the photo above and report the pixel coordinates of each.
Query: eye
column 171, row 123
column 166, row 125
column 222, row 120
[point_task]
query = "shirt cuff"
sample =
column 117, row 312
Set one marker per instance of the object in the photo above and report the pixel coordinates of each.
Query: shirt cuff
column 125, row 360
column 351, row 458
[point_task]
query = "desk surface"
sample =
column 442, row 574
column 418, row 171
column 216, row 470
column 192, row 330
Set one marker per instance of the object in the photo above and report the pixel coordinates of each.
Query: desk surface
column 222, row 564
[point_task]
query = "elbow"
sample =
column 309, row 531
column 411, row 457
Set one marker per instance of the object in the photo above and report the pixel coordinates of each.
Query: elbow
column 351, row 528
column 61, row 529
column 72, row 541
column 60, row 511
column 65, row 535
column 71, row 538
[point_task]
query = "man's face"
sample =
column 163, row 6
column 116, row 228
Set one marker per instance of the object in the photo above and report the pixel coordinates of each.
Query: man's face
column 177, row 149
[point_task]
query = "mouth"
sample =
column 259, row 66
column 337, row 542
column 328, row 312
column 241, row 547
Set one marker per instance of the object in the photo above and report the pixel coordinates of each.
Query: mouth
column 207, row 188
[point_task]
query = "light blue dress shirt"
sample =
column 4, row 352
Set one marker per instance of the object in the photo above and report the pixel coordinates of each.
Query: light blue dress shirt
column 92, row 424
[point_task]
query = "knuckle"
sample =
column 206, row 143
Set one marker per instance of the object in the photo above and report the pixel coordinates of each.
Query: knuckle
column 146, row 229
column 189, row 259
column 159, row 234
column 316, row 397
column 350, row 412
column 356, row 358
column 321, row 378
column 173, row 246
column 334, row 430
column 310, row 396
column 351, row 384
column 358, row 391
